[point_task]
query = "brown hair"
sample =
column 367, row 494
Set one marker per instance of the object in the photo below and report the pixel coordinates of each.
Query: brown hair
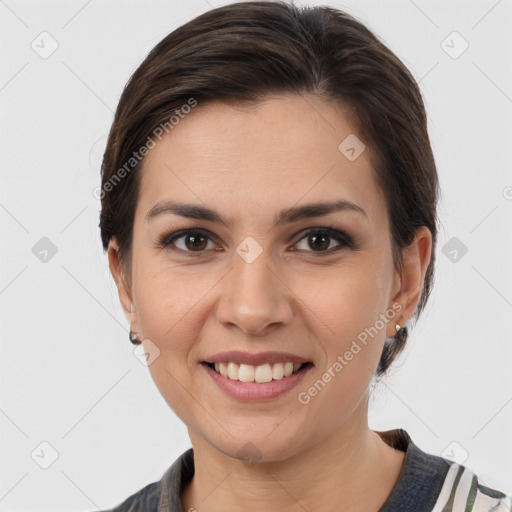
column 241, row 52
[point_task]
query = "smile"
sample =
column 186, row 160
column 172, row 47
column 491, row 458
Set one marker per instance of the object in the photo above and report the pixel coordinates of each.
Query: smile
column 261, row 373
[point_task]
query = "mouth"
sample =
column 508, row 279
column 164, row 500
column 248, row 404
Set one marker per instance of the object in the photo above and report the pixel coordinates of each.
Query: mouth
column 263, row 376
column 263, row 373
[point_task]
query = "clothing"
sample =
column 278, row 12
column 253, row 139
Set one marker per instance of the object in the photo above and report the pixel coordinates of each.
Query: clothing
column 426, row 483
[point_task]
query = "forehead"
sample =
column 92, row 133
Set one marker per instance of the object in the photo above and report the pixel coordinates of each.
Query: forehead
column 262, row 157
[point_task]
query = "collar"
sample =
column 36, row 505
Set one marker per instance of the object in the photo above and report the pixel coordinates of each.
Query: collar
column 421, row 478
column 416, row 489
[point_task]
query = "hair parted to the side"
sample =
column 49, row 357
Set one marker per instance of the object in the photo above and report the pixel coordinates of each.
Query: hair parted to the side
column 242, row 52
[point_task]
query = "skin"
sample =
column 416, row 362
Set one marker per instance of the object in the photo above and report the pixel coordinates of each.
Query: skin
column 248, row 164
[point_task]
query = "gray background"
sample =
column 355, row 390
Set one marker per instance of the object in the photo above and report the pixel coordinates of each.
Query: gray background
column 68, row 374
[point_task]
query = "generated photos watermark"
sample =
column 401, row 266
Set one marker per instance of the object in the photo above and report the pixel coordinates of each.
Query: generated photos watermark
column 137, row 156
column 341, row 361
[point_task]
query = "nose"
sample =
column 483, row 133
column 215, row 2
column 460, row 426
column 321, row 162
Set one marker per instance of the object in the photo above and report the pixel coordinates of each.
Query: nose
column 254, row 297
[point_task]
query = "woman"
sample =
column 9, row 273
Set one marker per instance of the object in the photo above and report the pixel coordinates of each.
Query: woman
column 269, row 210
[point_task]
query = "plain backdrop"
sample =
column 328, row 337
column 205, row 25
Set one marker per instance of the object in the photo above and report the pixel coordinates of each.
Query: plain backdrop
column 72, row 395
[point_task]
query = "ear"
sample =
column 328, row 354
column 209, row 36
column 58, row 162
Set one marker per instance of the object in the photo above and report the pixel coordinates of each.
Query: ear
column 123, row 285
column 409, row 283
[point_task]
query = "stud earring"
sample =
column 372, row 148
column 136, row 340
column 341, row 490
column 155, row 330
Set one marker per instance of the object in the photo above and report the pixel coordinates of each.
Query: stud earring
column 134, row 338
column 401, row 333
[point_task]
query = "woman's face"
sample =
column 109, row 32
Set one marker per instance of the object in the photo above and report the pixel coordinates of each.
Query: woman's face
column 258, row 282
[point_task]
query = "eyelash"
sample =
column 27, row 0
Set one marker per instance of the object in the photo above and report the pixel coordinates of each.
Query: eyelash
column 345, row 240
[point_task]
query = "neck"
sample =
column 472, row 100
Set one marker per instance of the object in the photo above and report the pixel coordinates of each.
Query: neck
column 353, row 467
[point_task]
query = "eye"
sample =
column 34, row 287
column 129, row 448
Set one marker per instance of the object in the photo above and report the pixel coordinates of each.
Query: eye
column 197, row 241
column 319, row 240
column 193, row 240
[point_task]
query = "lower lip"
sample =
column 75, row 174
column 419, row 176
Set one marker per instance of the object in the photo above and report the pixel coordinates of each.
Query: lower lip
column 254, row 390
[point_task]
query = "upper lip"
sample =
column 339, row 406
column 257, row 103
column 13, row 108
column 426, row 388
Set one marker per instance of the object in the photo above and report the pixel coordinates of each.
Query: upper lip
column 241, row 357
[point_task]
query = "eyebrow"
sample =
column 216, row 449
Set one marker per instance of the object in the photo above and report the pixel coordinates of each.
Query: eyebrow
column 285, row 216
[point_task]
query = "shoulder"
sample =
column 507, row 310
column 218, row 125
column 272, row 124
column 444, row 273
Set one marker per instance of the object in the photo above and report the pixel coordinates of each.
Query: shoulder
column 431, row 483
column 462, row 490
column 146, row 500
column 164, row 494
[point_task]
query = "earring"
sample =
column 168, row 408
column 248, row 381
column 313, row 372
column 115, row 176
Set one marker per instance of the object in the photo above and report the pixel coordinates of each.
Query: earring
column 134, row 338
column 401, row 333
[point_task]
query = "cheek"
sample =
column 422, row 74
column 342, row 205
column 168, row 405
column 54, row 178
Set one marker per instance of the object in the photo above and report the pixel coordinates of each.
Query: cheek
column 352, row 313
column 349, row 302
column 167, row 303
column 352, row 308
column 167, row 299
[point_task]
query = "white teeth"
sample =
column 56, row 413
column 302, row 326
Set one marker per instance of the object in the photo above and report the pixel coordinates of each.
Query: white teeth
column 246, row 373
column 262, row 373
column 277, row 371
column 233, row 371
column 223, row 369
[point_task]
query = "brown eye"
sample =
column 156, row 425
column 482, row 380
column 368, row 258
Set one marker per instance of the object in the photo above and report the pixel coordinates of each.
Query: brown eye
column 189, row 241
column 197, row 241
column 319, row 240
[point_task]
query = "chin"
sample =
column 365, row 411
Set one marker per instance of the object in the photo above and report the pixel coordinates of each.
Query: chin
column 263, row 445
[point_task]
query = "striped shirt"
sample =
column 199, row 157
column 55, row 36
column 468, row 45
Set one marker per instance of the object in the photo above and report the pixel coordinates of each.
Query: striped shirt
column 426, row 483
